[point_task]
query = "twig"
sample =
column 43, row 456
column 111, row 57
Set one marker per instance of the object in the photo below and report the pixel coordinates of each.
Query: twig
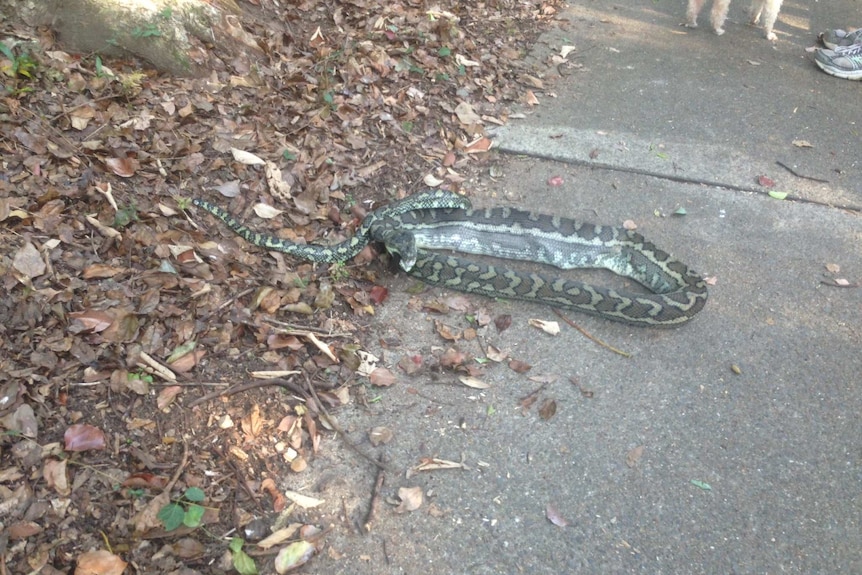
column 589, row 335
column 226, row 303
column 375, row 497
column 285, row 383
column 339, row 430
column 798, row 175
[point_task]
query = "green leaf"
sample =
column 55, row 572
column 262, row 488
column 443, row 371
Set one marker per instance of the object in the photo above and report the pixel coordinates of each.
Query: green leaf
column 177, row 353
column 702, row 484
column 171, row 516
column 244, row 564
column 4, row 49
column 236, row 544
column 778, row 195
column 193, row 515
column 680, row 212
column 491, row 410
column 444, row 51
column 195, row 494
column 288, row 155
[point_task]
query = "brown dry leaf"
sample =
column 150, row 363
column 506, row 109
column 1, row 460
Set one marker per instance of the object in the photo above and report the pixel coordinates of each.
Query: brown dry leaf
column 167, row 396
column 382, row 377
column 435, row 306
column 473, row 382
column 530, row 98
column 91, row 320
column 502, row 322
column 833, row 268
column 303, row 501
column 555, row 517
column 549, row 327
column 83, row 437
column 54, row 473
column 548, row 409
column 99, row 563
column 453, row 358
column 479, row 145
column 802, row 144
column 252, row 424
column 380, row 436
column 97, row 271
column 188, row 548
column 410, row 364
column 28, row 261
column 634, row 456
column 123, row 167
column 447, row 332
column 765, row 181
column 519, row 366
column 411, row 499
column 279, row 502
column 495, row 354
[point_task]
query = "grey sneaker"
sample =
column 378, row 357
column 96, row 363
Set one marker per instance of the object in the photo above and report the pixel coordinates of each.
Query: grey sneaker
column 837, row 38
column 842, row 62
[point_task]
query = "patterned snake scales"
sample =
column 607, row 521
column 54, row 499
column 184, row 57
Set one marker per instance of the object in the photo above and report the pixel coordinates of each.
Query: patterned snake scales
column 438, row 220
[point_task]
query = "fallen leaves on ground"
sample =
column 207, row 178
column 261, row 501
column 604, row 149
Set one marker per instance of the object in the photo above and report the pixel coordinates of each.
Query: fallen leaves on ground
column 124, row 304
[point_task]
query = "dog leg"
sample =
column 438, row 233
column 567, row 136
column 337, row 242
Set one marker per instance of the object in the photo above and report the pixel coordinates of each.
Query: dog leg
column 694, row 7
column 719, row 15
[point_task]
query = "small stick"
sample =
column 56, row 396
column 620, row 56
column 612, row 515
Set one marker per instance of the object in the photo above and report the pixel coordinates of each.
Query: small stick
column 798, row 175
column 590, row 336
column 339, row 430
column 375, row 497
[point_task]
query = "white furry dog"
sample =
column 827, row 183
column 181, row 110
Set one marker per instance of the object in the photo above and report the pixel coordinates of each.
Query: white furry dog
column 767, row 8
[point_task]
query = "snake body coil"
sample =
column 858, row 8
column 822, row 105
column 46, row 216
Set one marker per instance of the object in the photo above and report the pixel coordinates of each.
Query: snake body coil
column 437, row 220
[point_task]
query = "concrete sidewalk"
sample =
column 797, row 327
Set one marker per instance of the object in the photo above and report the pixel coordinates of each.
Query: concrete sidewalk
column 730, row 445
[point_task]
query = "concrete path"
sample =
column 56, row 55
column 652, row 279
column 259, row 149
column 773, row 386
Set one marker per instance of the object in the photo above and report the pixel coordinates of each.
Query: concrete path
column 730, row 445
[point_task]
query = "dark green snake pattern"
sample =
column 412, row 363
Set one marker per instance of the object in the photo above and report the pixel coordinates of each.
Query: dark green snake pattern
column 416, row 226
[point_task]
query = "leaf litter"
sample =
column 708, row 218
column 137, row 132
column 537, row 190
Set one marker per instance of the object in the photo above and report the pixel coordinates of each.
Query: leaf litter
column 146, row 314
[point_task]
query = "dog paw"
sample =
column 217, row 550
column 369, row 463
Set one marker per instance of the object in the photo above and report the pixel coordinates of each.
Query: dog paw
column 719, row 31
column 771, row 36
column 691, row 24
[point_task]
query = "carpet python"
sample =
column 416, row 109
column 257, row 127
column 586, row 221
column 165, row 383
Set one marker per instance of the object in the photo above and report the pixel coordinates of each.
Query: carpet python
column 437, row 220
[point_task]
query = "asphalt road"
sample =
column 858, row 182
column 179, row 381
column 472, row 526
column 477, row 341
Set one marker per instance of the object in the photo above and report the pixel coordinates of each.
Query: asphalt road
column 730, row 445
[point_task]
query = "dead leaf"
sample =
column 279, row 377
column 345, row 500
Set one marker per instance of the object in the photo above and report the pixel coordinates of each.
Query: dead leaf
column 411, row 499
column 466, row 115
column 28, row 261
column 495, row 354
column 123, row 167
column 548, row 409
column 765, row 181
column 634, row 455
column 303, row 501
column 833, row 268
column 502, row 322
column 447, row 332
column 167, row 396
column 802, row 144
column 83, row 437
column 99, row 563
column 473, row 382
column 519, row 366
column 549, row 327
column 54, row 473
column 555, row 517
column 382, row 377
column 380, row 436
column 247, row 158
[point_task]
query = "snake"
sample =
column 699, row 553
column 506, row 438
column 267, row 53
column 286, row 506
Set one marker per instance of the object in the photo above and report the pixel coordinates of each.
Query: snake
column 424, row 229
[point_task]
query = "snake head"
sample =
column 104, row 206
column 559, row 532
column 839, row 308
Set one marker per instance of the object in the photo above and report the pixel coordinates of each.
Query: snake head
column 402, row 244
